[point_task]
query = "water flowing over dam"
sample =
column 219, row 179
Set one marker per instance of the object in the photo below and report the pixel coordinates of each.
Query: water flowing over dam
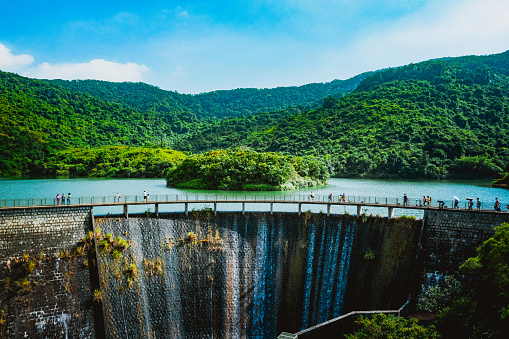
column 269, row 273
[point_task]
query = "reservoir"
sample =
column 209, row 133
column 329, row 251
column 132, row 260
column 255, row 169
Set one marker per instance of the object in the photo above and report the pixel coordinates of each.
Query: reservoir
column 43, row 191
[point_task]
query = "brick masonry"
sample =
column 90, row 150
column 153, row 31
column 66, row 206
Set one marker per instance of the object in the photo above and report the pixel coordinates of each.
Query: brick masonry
column 43, row 294
column 453, row 236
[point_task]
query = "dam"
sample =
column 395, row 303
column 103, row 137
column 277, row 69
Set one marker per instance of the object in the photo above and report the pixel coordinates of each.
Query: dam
column 210, row 274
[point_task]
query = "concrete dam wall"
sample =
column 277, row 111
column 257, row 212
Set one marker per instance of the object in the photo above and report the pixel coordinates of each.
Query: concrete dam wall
column 249, row 275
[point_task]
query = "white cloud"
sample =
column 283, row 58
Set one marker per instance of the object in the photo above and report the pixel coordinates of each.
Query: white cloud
column 13, row 63
column 98, row 69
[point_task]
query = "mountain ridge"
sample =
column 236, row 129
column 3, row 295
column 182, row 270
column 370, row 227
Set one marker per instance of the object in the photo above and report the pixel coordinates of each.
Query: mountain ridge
column 439, row 118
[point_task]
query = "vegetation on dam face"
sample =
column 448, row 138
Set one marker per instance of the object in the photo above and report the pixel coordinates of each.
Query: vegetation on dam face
column 245, row 169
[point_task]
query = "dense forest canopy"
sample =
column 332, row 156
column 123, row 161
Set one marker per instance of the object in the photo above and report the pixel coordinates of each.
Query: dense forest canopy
column 444, row 118
column 38, row 119
column 247, row 170
column 212, row 105
column 112, row 161
column 434, row 119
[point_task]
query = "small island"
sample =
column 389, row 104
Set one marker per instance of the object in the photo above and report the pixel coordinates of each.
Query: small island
column 242, row 169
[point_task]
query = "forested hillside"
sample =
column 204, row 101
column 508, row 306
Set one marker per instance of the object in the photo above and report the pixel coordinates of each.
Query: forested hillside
column 112, row 161
column 446, row 118
column 38, row 119
column 436, row 119
column 212, row 105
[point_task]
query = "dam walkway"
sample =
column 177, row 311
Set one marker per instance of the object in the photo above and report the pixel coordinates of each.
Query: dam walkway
column 271, row 202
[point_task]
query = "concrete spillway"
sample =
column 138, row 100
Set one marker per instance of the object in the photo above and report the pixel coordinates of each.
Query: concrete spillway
column 271, row 273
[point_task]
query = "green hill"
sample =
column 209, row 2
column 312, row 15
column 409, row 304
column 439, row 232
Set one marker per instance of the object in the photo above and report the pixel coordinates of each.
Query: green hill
column 38, row 119
column 447, row 118
column 212, row 105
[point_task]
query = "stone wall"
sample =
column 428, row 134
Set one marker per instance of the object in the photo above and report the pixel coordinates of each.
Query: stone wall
column 44, row 292
column 453, row 236
column 381, row 268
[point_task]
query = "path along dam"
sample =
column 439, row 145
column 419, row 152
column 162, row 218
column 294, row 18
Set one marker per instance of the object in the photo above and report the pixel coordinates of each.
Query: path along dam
column 211, row 274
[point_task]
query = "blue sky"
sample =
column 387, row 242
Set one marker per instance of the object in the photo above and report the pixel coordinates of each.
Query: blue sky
column 200, row 46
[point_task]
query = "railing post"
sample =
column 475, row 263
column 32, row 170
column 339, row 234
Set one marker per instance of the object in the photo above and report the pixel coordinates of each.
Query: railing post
column 328, row 209
column 300, row 208
column 157, row 210
column 126, row 214
column 215, row 207
column 359, row 209
column 243, row 208
column 186, row 208
column 390, row 214
column 271, row 208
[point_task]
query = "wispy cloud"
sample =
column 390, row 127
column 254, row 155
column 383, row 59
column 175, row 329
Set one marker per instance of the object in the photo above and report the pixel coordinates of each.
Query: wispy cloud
column 461, row 28
column 98, row 69
column 13, row 63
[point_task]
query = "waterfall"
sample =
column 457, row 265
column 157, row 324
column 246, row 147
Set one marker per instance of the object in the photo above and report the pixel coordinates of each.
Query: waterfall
column 326, row 271
column 309, row 277
column 329, row 276
column 237, row 291
column 344, row 265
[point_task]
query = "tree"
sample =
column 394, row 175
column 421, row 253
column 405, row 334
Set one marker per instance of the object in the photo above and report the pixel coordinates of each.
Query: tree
column 483, row 311
column 391, row 326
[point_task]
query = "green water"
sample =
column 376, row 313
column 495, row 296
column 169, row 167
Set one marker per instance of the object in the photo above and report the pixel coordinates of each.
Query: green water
column 106, row 189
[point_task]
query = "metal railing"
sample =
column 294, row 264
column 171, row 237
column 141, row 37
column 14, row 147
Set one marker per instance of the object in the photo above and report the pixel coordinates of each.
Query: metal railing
column 238, row 197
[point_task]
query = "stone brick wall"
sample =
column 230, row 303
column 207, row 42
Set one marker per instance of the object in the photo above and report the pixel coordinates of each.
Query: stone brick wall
column 451, row 237
column 44, row 293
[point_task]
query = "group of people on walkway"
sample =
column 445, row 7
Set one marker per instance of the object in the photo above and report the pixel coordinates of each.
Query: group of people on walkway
column 426, row 202
column 64, row 198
